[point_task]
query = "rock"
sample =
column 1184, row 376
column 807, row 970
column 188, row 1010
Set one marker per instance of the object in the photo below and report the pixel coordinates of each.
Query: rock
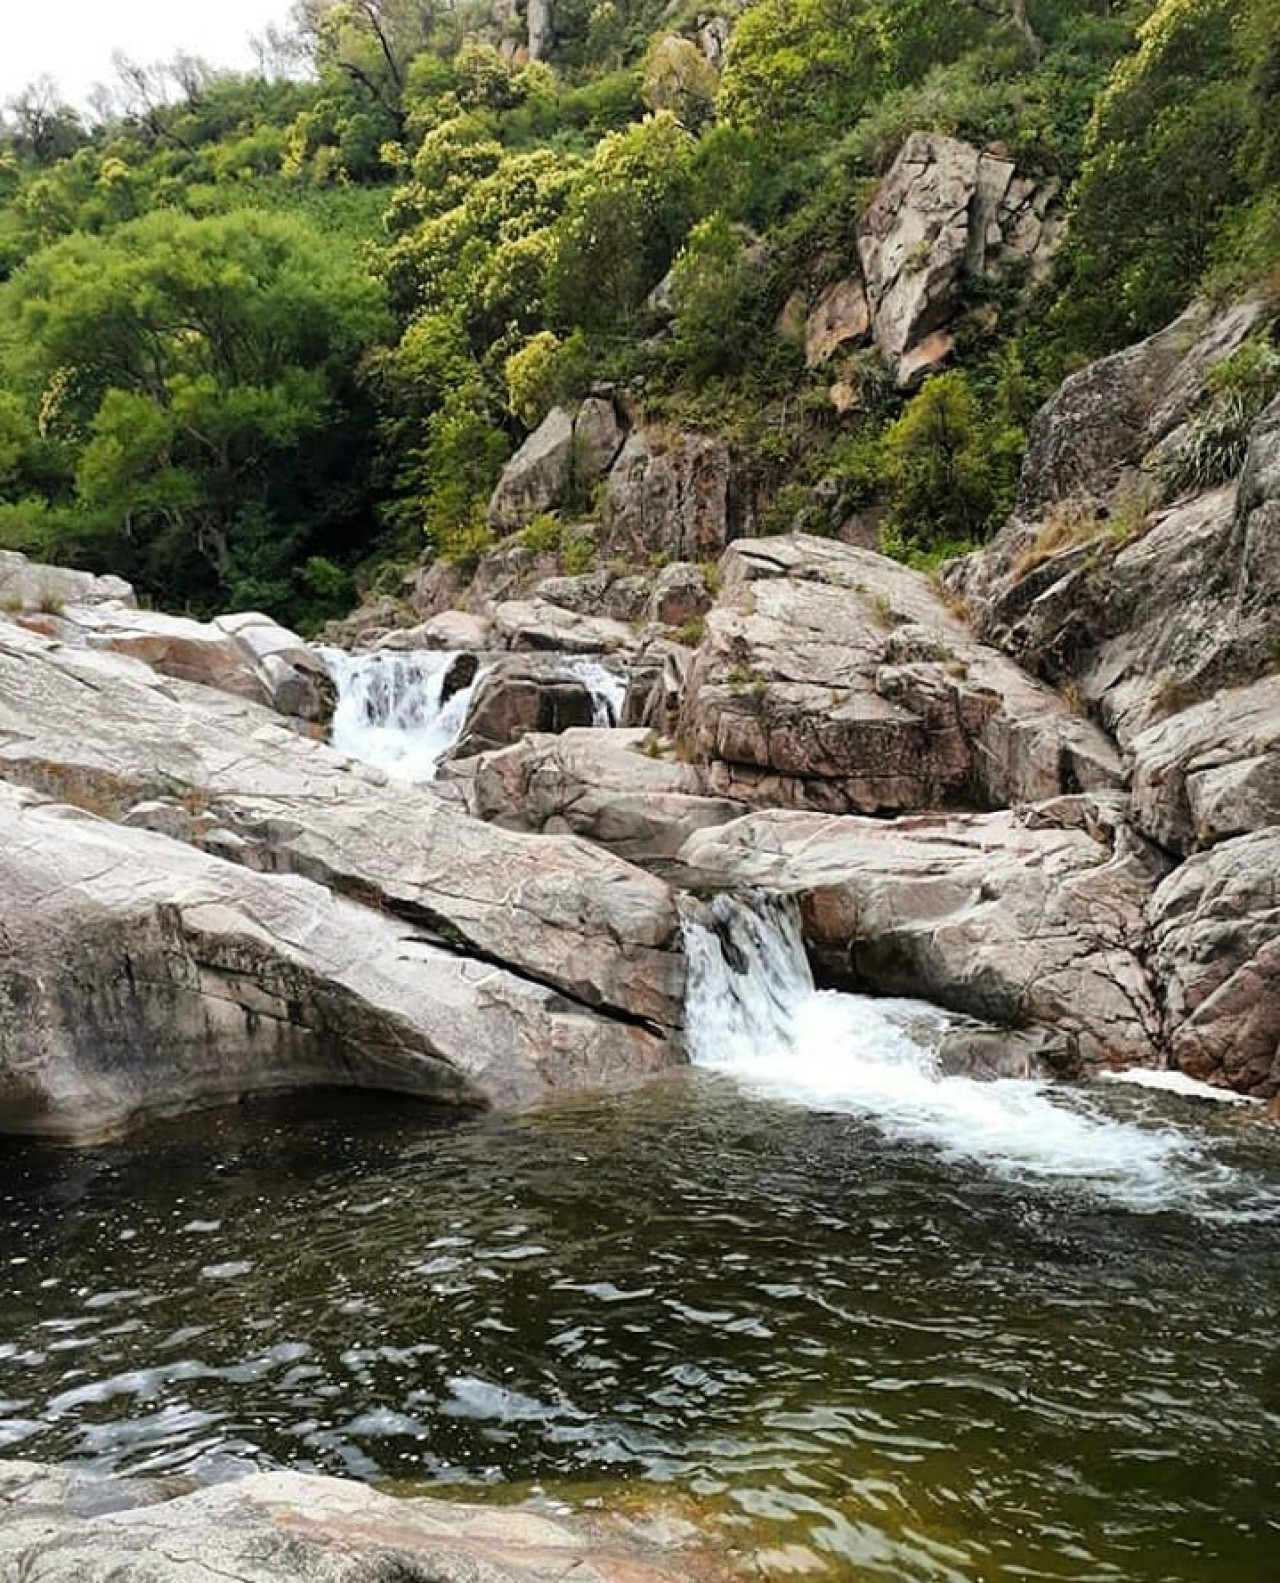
column 680, row 594
column 280, row 1527
column 601, row 785
column 945, row 214
column 249, row 655
column 518, row 696
column 1146, row 625
column 676, row 494
column 534, row 624
column 991, row 1053
column 656, row 682
column 563, row 456
column 106, row 733
column 140, row 976
column 1090, row 437
column 1215, row 924
column 1211, row 771
column 713, row 40
column 833, row 678
column 598, row 593
column 542, row 32
column 451, row 630
column 840, row 318
column 25, row 585
column 1033, row 920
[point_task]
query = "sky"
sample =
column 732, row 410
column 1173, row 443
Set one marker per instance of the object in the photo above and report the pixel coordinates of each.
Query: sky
column 73, row 40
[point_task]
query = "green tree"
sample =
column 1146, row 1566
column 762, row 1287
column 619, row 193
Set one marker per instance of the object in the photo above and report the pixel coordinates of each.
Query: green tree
column 196, row 377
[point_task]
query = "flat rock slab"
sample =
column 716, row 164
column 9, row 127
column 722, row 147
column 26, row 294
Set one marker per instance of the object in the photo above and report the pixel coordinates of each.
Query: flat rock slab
column 58, row 1527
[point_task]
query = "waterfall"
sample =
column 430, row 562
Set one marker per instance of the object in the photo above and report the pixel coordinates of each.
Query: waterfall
column 392, row 711
column 753, row 1012
column 607, row 688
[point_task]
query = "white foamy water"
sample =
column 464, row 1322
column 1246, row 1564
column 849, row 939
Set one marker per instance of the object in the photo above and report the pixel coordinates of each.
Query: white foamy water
column 608, row 689
column 1179, row 1083
column 391, row 710
column 754, row 1012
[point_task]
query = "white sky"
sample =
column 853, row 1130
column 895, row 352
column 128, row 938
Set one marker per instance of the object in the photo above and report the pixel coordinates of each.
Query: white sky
column 73, row 40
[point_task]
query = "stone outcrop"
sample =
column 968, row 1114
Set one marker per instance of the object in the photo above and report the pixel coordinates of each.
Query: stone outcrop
column 1211, row 771
column 679, row 595
column 1029, row 919
column 105, row 733
column 27, row 586
column 1091, row 436
column 563, row 457
column 839, row 320
column 946, row 213
column 678, row 494
column 832, row 678
column 63, row 1526
column 139, row 976
column 537, row 624
column 1215, row 926
column 601, row 785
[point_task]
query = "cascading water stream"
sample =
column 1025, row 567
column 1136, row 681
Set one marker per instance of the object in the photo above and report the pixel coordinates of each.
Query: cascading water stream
column 753, row 1012
column 393, row 711
column 397, row 710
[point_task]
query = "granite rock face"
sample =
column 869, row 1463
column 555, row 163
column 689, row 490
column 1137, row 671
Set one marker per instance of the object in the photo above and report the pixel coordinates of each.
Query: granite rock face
column 140, row 976
column 946, row 213
column 835, row 679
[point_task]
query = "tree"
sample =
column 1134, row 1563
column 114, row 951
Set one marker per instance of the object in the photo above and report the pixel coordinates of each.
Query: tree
column 42, row 127
column 196, row 378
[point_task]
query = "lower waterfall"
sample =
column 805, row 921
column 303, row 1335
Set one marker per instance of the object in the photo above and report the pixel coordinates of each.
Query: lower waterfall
column 392, row 710
column 754, row 1013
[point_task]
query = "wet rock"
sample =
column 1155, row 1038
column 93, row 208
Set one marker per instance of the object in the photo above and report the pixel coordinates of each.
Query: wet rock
column 105, row 733
column 1032, row 920
column 140, row 976
column 304, row 1528
column 518, row 696
column 1215, row 926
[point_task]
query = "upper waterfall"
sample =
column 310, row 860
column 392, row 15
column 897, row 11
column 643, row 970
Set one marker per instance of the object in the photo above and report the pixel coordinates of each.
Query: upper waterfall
column 754, row 1012
column 396, row 710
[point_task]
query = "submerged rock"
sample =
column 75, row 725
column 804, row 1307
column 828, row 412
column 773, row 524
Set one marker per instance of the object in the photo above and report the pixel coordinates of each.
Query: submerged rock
column 65, row 1527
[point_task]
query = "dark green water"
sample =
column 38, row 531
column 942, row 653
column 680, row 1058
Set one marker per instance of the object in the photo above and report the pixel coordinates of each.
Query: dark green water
column 862, row 1358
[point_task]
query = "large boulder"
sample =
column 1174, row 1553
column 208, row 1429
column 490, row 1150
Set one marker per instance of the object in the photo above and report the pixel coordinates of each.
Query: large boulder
column 677, row 494
column 946, row 214
column 563, row 457
column 28, row 586
column 139, row 976
column 64, row 1526
column 1212, row 771
column 1032, row 919
column 518, row 696
column 105, row 733
column 835, row 679
column 838, row 321
column 1215, row 926
column 610, row 787
column 539, row 625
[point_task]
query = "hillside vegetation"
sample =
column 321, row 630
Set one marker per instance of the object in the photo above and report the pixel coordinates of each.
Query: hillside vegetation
column 266, row 340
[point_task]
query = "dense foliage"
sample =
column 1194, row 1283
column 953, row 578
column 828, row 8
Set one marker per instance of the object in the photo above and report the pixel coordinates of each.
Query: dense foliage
column 263, row 335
